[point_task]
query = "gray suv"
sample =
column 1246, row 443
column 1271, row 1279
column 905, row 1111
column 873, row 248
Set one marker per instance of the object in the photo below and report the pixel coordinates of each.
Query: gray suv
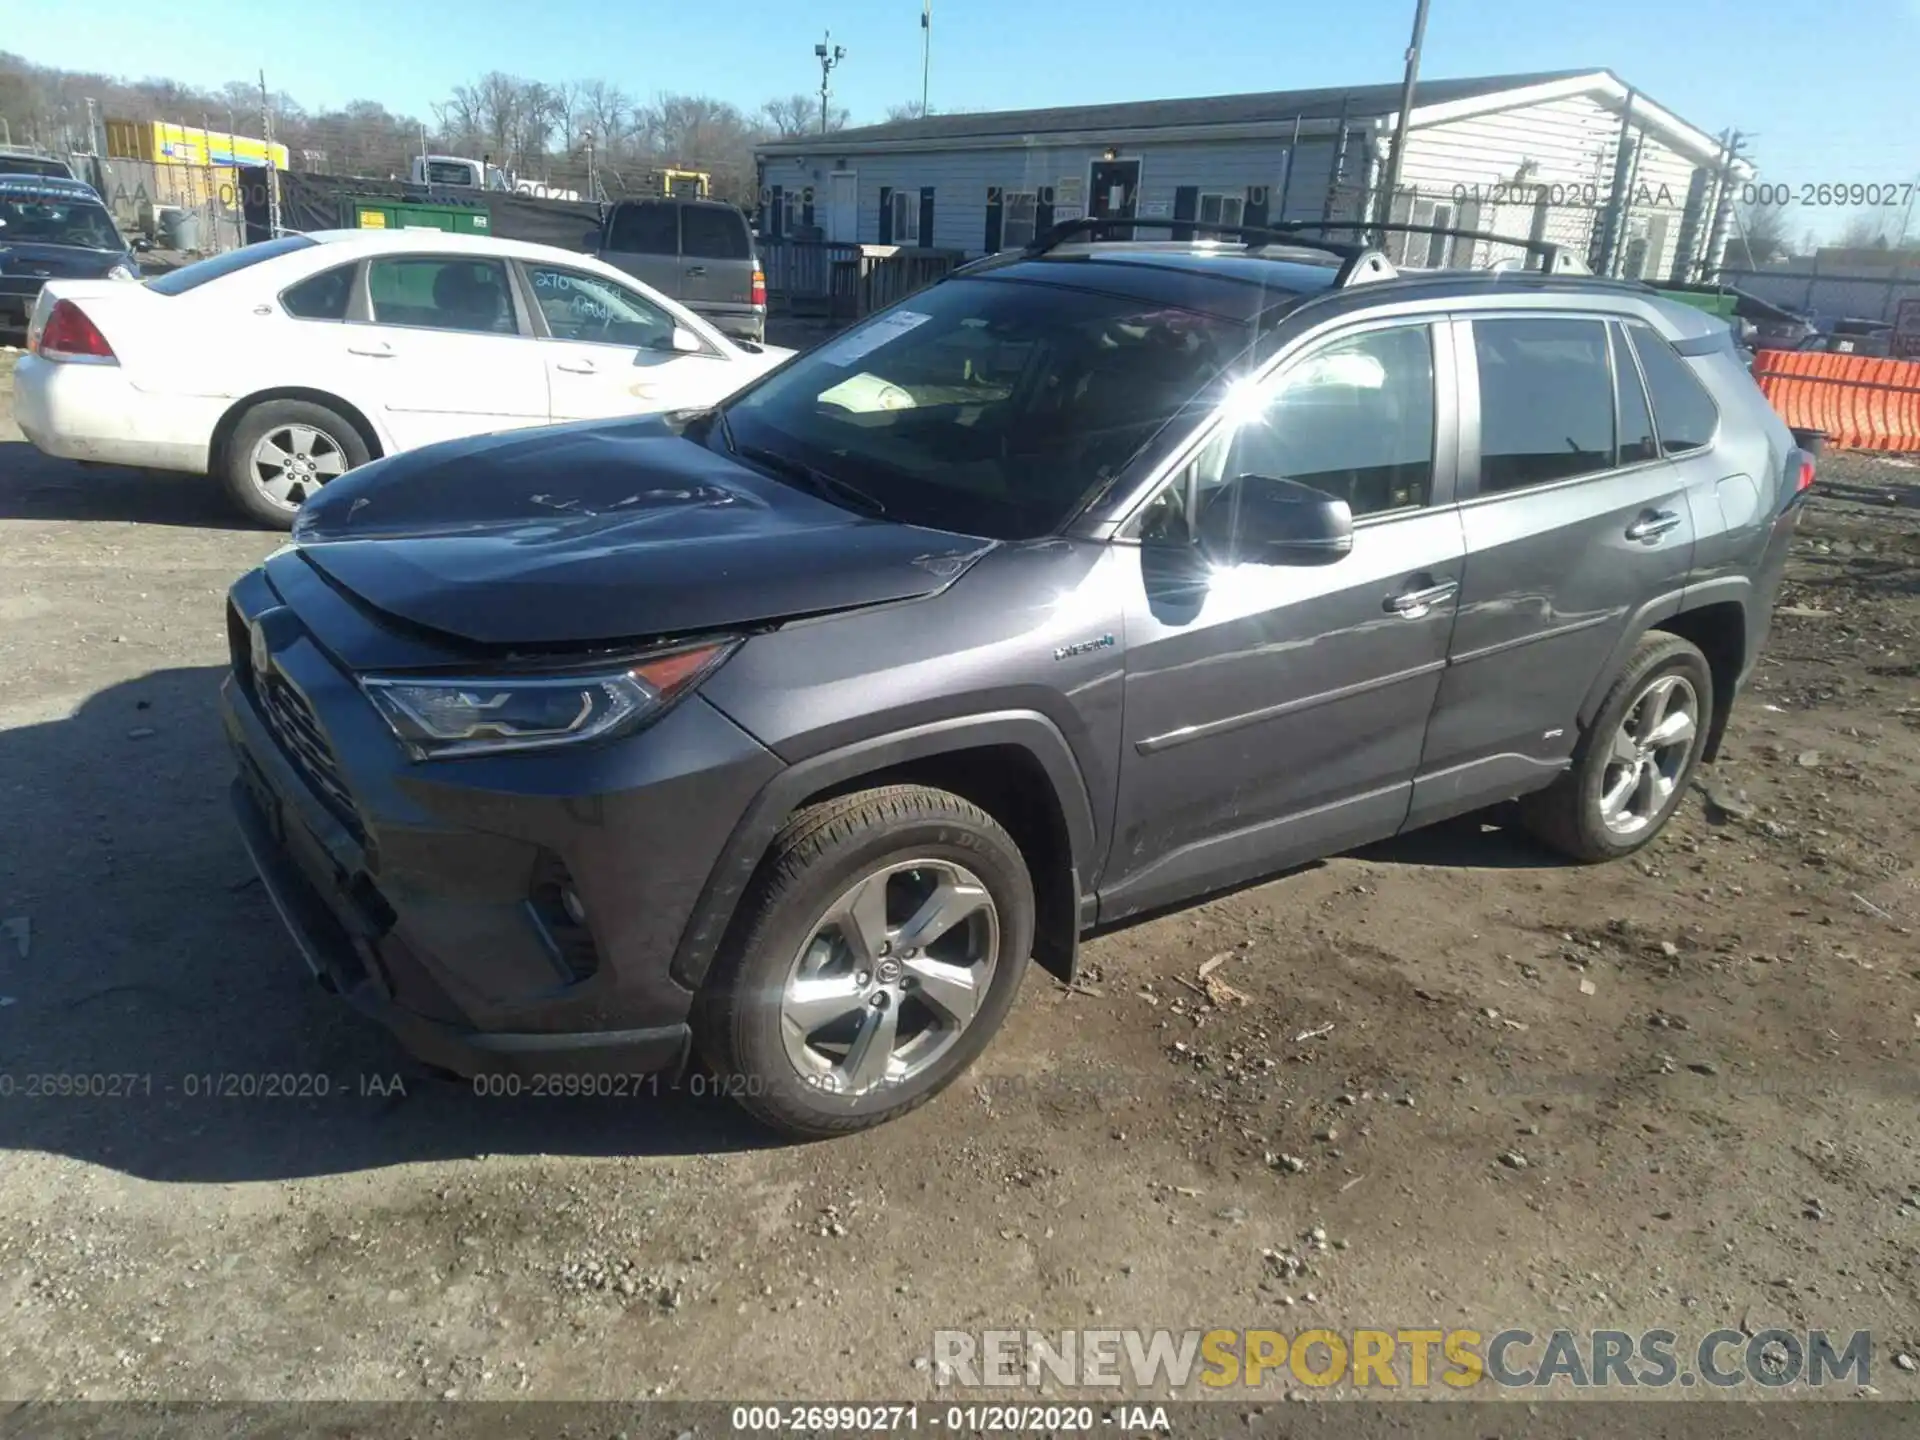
column 1095, row 578
column 698, row 252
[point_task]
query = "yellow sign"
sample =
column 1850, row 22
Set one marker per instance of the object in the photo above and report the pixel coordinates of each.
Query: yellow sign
column 373, row 220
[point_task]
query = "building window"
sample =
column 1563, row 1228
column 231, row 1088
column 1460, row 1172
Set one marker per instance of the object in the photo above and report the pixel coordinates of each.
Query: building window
column 1016, row 225
column 906, row 217
column 1222, row 209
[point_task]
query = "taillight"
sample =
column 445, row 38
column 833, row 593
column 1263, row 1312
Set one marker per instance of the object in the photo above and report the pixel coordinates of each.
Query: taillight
column 759, row 287
column 70, row 335
column 1806, row 474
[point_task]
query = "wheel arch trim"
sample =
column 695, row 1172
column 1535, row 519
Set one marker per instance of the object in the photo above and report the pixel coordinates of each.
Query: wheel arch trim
column 753, row 833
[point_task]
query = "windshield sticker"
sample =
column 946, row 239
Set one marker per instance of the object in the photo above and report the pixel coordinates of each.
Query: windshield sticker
column 871, row 337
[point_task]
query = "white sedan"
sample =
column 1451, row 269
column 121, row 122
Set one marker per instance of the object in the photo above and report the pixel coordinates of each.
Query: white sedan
column 281, row 365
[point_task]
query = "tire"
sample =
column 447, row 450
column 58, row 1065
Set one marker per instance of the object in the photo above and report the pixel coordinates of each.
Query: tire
column 1572, row 814
column 785, row 937
column 337, row 448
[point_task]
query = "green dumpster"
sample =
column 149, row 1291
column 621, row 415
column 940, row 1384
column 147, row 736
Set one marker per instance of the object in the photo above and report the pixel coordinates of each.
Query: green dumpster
column 368, row 212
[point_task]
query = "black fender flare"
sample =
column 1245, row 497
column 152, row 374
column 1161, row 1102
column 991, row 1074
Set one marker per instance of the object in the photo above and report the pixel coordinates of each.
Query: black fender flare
column 1028, row 729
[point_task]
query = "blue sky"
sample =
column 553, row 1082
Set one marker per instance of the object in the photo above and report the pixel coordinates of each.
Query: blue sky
column 1828, row 89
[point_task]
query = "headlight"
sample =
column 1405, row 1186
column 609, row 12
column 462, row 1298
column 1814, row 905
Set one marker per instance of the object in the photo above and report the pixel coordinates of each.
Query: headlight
column 123, row 272
column 437, row 718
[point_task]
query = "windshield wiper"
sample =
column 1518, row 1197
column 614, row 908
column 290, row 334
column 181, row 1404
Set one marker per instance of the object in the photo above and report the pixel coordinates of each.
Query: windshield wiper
column 828, row 487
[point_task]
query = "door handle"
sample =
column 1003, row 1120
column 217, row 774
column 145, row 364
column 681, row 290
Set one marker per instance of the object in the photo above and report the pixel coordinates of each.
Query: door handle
column 1652, row 524
column 696, row 270
column 379, row 350
column 1412, row 604
column 577, row 367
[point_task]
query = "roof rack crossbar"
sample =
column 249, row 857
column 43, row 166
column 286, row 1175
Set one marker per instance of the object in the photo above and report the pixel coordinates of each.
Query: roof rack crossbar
column 1254, row 235
column 1554, row 257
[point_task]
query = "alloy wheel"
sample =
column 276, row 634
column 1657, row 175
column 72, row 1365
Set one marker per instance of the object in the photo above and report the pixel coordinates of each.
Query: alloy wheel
column 1649, row 754
column 290, row 462
column 891, row 976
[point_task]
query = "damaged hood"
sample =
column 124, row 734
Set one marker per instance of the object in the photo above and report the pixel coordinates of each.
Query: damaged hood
column 604, row 531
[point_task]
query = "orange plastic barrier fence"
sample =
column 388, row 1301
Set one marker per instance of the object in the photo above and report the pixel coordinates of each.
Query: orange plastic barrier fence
column 1862, row 402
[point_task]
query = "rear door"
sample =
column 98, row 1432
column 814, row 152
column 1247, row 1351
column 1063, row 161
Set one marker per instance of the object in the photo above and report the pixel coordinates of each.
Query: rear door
column 446, row 351
column 716, row 255
column 643, row 239
column 1576, row 529
column 609, row 350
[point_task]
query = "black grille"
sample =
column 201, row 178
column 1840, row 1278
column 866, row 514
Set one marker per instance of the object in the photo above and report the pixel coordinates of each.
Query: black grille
column 299, row 734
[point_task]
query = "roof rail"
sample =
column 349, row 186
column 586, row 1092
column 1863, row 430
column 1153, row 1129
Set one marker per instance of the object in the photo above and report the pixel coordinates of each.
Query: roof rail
column 1554, row 257
column 1254, row 235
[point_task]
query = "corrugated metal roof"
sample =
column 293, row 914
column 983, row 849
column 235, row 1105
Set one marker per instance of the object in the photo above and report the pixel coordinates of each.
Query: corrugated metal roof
column 1277, row 105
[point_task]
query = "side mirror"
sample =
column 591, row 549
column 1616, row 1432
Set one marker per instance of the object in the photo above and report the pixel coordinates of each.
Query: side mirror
column 685, row 342
column 1258, row 520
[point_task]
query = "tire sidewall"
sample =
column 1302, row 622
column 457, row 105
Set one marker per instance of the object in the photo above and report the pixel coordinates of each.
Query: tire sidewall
column 790, row 922
column 1682, row 659
column 238, row 470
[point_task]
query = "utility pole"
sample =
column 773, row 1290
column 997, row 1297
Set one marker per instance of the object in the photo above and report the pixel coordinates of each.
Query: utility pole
column 273, row 171
column 926, row 51
column 829, row 55
column 1399, row 150
column 1722, row 208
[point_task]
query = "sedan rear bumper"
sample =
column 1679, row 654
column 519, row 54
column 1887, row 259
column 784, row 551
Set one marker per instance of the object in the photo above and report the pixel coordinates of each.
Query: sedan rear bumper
column 77, row 411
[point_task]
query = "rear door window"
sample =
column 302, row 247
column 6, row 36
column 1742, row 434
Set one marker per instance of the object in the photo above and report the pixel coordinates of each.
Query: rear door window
column 1684, row 412
column 321, row 297
column 1546, row 401
column 434, row 292
column 647, row 227
column 713, row 232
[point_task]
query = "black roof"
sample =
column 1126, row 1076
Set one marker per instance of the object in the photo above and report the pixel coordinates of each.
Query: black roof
column 1281, row 105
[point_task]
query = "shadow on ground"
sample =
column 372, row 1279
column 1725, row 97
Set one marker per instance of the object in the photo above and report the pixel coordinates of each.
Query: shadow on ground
column 134, row 943
column 37, row 487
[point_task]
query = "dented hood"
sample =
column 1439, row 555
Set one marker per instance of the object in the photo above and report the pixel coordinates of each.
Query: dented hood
column 604, row 531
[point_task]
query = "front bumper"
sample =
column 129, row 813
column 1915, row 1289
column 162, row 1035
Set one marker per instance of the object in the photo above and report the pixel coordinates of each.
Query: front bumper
column 422, row 893
column 78, row 411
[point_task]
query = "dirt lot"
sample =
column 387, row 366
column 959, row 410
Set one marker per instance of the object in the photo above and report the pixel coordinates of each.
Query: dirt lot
column 1677, row 1091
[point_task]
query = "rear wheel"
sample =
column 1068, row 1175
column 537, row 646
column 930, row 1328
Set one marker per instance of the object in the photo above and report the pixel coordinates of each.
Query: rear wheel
column 880, row 947
column 1632, row 765
column 283, row 451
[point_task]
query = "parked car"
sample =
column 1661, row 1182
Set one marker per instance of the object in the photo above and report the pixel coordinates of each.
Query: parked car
column 1090, row 580
column 18, row 160
column 698, row 251
column 283, row 365
column 52, row 228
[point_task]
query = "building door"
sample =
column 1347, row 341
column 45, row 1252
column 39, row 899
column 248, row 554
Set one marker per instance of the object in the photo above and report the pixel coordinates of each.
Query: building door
column 1116, row 189
column 843, row 214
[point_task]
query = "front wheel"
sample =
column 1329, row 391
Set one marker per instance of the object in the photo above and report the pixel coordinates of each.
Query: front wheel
column 282, row 451
column 1632, row 765
column 878, row 950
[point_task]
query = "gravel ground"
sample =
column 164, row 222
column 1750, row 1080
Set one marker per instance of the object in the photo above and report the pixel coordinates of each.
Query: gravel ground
column 1675, row 1091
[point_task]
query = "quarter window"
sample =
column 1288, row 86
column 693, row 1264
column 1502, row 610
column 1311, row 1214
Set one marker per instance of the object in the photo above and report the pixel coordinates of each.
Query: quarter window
column 595, row 310
column 1546, row 401
column 436, row 293
column 1684, row 412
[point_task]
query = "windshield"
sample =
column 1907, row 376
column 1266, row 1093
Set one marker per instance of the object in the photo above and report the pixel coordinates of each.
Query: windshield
column 57, row 220
column 988, row 407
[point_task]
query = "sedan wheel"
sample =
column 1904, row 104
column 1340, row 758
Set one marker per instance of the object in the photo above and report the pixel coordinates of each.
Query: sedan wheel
column 292, row 461
column 891, row 977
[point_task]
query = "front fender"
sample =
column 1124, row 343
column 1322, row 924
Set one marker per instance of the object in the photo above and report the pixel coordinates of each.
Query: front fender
column 1027, row 729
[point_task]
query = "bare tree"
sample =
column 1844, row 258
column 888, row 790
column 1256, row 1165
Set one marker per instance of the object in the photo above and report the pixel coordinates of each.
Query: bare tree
column 1759, row 235
column 1867, row 230
column 793, row 114
column 908, row 110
